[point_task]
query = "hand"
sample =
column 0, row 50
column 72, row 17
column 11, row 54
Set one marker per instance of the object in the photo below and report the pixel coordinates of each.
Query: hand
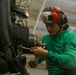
column 39, row 51
column 32, row 63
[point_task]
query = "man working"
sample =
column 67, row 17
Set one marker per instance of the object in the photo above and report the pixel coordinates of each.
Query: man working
column 60, row 50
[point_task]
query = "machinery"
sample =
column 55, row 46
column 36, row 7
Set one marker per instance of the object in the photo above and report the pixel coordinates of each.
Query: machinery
column 14, row 35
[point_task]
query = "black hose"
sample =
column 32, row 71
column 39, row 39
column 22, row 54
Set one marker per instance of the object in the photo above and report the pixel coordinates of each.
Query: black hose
column 5, row 23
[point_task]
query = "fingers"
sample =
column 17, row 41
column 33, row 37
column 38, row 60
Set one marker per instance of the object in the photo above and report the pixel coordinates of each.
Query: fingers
column 35, row 51
column 38, row 51
column 33, row 48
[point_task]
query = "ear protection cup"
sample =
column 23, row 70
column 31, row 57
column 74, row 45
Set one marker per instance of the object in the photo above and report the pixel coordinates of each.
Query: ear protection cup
column 55, row 16
column 62, row 17
column 61, row 20
column 65, row 20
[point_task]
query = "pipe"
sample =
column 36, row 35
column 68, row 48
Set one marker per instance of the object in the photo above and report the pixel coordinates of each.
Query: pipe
column 5, row 24
column 3, row 21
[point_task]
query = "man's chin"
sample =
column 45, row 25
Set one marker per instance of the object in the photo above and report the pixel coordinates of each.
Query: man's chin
column 52, row 34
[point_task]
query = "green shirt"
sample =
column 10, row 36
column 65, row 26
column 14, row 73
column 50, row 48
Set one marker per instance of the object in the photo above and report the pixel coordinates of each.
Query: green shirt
column 61, row 52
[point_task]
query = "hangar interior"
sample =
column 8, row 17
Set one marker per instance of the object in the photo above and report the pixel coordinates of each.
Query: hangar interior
column 13, row 42
column 36, row 26
column 35, row 7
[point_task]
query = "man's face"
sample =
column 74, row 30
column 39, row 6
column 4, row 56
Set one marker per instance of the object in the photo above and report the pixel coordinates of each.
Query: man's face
column 52, row 28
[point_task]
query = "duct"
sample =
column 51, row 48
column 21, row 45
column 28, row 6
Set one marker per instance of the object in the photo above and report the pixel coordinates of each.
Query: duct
column 3, row 21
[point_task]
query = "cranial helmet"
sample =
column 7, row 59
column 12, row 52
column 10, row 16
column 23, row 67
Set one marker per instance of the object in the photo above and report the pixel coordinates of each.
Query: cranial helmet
column 54, row 15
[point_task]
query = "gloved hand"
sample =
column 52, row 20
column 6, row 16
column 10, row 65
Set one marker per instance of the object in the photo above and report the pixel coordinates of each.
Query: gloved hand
column 33, row 63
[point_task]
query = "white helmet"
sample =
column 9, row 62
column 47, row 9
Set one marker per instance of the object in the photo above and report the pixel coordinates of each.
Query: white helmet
column 49, row 17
